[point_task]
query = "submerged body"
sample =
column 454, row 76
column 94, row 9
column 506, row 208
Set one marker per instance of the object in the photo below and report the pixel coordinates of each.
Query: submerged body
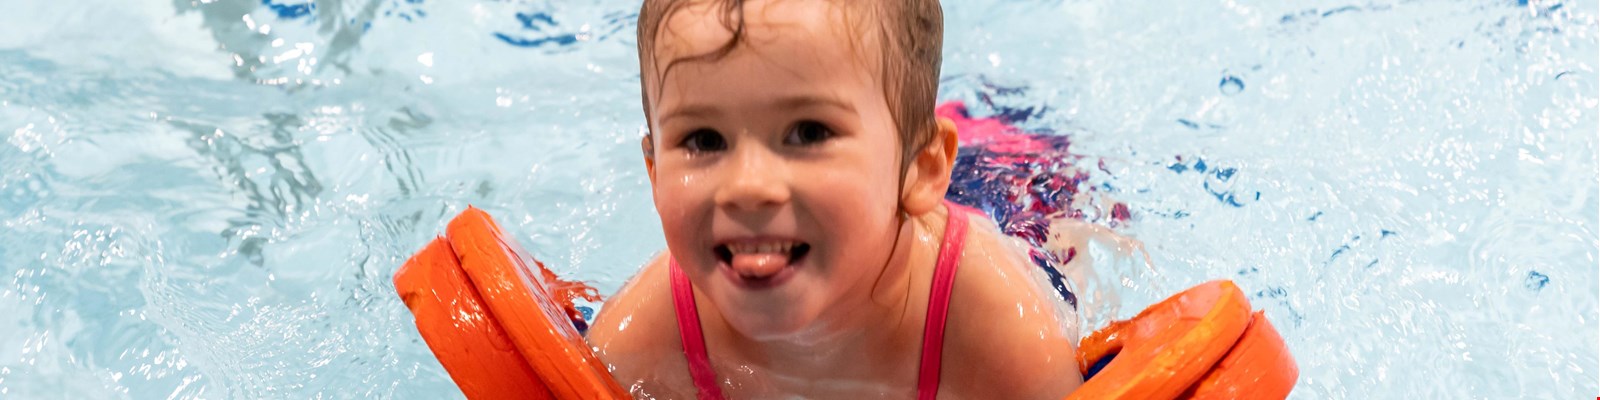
column 808, row 230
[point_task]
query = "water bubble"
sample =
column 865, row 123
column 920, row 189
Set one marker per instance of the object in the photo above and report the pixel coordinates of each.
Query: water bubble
column 1536, row 281
column 1231, row 85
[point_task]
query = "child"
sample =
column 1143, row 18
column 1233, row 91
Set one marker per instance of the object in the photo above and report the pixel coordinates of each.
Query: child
column 799, row 172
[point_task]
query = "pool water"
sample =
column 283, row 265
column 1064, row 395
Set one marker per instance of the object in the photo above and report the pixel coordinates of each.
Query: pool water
column 207, row 199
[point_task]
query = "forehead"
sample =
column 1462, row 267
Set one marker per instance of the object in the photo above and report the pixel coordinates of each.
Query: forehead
column 781, row 42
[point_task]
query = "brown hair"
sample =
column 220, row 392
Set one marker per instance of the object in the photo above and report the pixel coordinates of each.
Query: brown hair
column 911, row 33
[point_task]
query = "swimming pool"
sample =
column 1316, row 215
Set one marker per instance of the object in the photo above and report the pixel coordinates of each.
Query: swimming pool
column 206, row 199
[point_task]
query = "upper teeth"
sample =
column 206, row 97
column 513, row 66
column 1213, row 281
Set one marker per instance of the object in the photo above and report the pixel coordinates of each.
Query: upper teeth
column 758, row 248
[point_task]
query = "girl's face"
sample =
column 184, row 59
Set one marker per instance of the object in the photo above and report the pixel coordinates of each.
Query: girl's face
column 775, row 167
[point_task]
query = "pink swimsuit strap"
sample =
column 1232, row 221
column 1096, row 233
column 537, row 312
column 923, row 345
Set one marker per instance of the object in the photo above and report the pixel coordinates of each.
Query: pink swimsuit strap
column 944, row 280
column 694, row 341
column 944, row 273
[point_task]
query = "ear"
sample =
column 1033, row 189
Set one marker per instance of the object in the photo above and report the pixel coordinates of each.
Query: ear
column 929, row 175
column 648, row 147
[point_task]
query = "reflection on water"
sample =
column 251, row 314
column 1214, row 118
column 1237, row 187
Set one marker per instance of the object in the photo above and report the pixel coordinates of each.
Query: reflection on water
column 206, row 199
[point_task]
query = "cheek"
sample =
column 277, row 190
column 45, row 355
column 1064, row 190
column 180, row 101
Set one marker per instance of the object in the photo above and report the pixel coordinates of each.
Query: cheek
column 682, row 201
column 855, row 204
column 862, row 220
column 854, row 198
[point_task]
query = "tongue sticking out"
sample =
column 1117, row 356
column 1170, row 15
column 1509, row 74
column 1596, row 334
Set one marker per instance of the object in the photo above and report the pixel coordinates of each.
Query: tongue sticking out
column 758, row 265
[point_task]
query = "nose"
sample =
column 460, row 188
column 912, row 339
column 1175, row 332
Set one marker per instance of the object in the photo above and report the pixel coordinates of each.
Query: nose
column 756, row 179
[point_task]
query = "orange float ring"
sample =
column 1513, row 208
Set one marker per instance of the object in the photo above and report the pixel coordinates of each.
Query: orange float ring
column 496, row 326
column 464, row 335
column 504, row 332
column 1202, row 343
column 1258, row 367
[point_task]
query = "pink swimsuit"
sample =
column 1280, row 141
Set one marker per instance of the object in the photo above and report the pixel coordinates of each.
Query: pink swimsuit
column 944, row 273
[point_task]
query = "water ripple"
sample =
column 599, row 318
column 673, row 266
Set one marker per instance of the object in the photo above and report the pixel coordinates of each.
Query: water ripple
column 206, row 199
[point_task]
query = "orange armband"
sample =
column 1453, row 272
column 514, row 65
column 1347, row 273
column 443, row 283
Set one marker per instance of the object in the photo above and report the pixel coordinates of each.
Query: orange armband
column 501, row 330
column 1202, row 343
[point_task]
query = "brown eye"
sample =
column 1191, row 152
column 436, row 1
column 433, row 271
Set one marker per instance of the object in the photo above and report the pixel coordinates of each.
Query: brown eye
column 807, row 133
column 704, row 140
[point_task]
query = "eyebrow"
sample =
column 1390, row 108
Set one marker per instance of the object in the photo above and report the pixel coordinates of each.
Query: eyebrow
column 808, row 100
column 787, row 102
column 692, row 110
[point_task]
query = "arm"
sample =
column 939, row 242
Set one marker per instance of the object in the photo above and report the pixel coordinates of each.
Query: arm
column 1010, row 336
column 636, row 336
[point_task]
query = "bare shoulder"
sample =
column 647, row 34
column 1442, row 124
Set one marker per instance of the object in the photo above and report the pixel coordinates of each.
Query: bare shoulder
column 636, row 335
column 1009, row 335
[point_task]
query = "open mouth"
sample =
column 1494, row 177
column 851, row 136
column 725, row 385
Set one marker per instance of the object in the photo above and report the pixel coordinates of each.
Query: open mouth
column 761, row 263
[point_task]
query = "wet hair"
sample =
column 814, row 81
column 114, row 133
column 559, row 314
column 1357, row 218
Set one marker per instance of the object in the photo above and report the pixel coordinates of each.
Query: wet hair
column 910, row 33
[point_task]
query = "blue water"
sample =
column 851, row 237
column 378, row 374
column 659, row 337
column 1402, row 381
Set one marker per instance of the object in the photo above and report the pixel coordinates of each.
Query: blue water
column 207, row 199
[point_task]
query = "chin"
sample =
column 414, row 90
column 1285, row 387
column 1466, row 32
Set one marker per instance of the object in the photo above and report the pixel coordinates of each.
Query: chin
column 763, row 321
